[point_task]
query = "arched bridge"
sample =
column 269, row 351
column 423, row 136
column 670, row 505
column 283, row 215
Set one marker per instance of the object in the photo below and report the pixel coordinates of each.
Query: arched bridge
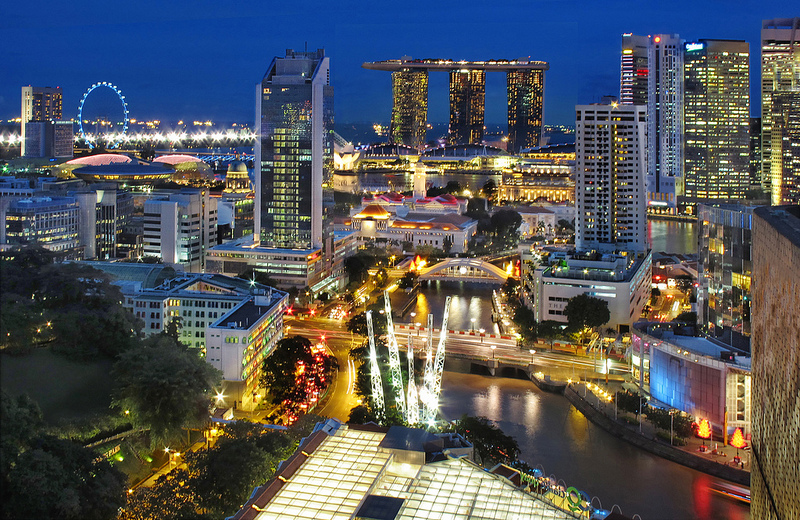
column 464, row 269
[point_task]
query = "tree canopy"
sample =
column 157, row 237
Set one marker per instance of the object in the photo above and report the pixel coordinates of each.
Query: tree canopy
column 357, row 324
column 72, row 307
column 584, row 311
column 491, row 445
column 295, row 370
column 46, row 477
column 165, row 387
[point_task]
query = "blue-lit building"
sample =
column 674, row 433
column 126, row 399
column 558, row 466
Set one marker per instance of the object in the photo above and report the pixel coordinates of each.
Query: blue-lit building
column 696, row 375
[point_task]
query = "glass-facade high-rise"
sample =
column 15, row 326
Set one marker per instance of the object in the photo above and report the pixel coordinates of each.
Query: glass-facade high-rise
column 724, row 268
column 665, row 121
column 467, row 106
column 294, row 116
column 40, row 105
column 780, row 71
column 785, row 148
column 525, row 108
column 716, row 119
column 410, row 107
column 634, row 69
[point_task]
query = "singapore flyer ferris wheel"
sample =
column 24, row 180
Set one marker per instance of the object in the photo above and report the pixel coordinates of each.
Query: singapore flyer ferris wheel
column 110, row 119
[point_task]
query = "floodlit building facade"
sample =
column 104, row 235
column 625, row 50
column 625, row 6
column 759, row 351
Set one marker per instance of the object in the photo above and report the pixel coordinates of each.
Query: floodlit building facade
column 716, row 119
column 294, row 162
column 610, row 190
column 232, row 323
column 665, row 122
column 725, row 270
column 785, row 147
column 780, row 72
column 525, row 90
column 180, row 227
column 634, row 70
column 49, row 222
column 775, row 475
column 409, row 108
column 369, row 472
column 467, row 106
column 44, row 134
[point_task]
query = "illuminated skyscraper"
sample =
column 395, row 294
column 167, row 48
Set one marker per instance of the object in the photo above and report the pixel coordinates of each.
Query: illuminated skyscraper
column 610, row 187
column 634, row 70
column 294, row 115
column 410, row 107
column 780, row 71
column 785, row 148
column 525, row 108
column 40, row 105
column 716, row 119
column 665, row 120
column 467, row 105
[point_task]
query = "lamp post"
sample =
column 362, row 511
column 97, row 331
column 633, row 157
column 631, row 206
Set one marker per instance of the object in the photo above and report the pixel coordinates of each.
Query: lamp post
column 417, row 325
column 481, row 331
column 493, row 347
column 472, row 327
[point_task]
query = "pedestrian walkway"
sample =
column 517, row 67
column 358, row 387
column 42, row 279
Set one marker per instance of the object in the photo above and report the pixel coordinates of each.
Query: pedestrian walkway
column 712, row 451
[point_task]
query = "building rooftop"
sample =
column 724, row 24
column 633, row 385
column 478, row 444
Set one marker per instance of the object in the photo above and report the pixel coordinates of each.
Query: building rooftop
column 145, row 276
column 785, row 219
column 343, row 473
column 245, row 244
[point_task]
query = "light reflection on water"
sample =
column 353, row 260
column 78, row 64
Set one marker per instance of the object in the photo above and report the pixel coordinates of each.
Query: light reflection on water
column 551, row 433
column 468, row 302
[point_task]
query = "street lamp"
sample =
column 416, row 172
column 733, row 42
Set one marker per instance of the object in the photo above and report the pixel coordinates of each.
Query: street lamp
column 417, row 325
column 481, row 331
column 493, row 347
column 472, row 327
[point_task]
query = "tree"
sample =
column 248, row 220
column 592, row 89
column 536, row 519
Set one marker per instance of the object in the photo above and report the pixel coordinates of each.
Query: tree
column 254, row 275
column 225, row 476
column 489, row 189
column 505, row 224
column 22, row 421
column 57, row 478
column 704, row 430
column 172, row 497
column 408, row 280
column 491, row 445
column 526, row 321
column 295, row 371
column 165, row 387
column 687, row 317
column 358, row 324
column 447, row 244
column 551, row 331
column 584, row 311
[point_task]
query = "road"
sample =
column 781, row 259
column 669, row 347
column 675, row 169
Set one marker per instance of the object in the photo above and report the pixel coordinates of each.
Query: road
column 341, row 398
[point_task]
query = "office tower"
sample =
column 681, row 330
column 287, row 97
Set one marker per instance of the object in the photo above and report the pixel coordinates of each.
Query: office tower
column 785, row 147
column 665, row 120
column 775, row 472
column 716, row 119
column 294, row 153
column 43, row 134
column 634, row 70
column 610, row 178
column 724, row 267
column 180, row 227
column 755, row 151
column 467, row 105
column 780, row 71
column 410, row 107
column 525, row 108
column 49, row 222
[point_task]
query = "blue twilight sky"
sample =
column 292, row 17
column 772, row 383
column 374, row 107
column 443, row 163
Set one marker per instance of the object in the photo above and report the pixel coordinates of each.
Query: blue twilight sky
column 201, row 59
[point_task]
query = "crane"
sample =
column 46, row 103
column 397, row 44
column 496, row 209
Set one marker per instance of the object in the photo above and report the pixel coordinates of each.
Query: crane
column 433, row 369
column 375, row 371
column 394, row 358
column 412, row 416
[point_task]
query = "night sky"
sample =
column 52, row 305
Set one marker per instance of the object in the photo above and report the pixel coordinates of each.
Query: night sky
column 201, row 59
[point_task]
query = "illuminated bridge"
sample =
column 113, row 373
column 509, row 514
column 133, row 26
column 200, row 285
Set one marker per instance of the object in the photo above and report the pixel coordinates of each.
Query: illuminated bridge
column 464, row 270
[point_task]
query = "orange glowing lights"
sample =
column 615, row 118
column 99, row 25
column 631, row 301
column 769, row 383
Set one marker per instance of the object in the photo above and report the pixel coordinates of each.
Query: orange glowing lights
column 704, row 429
column 737, row 441
column 657, row 39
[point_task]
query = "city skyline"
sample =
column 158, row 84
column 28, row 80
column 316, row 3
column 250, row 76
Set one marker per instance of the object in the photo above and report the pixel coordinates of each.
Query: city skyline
column 204, row 55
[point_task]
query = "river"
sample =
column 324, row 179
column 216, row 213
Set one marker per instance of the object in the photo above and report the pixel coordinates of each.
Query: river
column 553, row 434
column 672, row 236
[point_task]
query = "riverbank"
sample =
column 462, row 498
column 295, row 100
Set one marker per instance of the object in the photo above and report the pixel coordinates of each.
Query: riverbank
column 598, row 414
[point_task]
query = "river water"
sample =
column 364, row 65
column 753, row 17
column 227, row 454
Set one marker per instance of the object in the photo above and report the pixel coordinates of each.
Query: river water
column 469, row 301
column 553, row 434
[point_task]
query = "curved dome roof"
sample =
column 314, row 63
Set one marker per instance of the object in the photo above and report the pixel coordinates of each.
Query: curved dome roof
column 237, row 167
column 177, row 159
column 373, row 211
column 101, row 159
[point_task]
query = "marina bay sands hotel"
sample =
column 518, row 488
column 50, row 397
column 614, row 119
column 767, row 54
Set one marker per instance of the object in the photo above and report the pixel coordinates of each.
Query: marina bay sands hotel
column 524, row 83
